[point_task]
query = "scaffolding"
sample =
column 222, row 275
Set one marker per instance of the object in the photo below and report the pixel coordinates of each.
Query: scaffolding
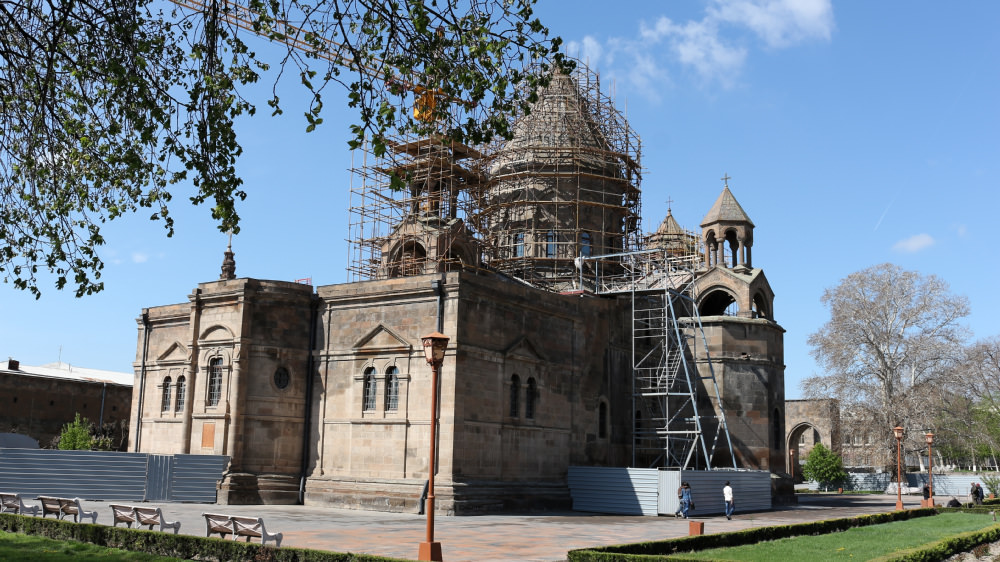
column 673, row 425
column 565, row 186
column 422, row 227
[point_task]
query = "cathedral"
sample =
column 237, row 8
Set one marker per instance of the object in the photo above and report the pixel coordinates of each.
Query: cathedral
column 575, row 338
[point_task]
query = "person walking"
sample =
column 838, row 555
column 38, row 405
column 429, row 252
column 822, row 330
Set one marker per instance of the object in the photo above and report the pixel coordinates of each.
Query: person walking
column 686, row 503
column 727, row 496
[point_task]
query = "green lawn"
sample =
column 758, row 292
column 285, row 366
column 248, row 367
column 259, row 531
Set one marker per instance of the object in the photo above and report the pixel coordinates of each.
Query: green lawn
column 859, row 543
column 15, row 546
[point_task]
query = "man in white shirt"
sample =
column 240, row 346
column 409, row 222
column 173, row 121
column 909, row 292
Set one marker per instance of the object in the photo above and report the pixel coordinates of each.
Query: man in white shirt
column 727, row 494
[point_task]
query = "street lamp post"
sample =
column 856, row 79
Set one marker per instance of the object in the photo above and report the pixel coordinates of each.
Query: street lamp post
column 434, row 347
column 898, row 432
column 791, row 463
column 930, row 468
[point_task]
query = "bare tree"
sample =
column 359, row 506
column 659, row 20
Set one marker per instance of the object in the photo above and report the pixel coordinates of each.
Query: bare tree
column 893, row 335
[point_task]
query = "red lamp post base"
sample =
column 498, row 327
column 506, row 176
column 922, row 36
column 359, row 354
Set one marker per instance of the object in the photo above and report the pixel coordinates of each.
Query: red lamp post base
column 899, row 507
column 430, row 551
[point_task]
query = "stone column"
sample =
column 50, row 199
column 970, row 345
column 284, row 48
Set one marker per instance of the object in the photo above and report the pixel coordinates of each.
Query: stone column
column 740, row 251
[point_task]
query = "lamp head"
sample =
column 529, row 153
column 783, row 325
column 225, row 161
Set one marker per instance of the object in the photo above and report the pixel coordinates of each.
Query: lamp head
column 898, row 432
column 434, row 346
column 929, row 437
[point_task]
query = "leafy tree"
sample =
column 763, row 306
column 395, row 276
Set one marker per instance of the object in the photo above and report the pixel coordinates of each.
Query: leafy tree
column 104, row 106
column 893, row 337
column 824, row 466
column 75, row 435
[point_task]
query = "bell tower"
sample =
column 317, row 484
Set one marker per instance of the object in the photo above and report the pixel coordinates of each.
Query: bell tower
column 727, row 233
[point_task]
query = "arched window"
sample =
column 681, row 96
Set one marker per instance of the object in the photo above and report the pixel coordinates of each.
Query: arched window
column 515, row 393
column 586, row 245
column 181, row 394
column 519, row 245
column 214, row 381
column 368, row 399
column 529, row 399
column 391, row 389
column 550, row 244
column 602, row 420
column 165, row 403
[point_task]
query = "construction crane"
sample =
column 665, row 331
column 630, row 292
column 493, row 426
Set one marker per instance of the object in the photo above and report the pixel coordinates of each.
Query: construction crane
column 425, row 98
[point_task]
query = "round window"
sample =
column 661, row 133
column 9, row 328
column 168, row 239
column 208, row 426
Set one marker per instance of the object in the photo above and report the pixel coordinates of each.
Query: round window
column 281, row 377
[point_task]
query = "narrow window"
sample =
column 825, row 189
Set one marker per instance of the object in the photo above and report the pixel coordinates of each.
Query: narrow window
column 515, row 393
column 550, row 244
column 368, row 403
column 519, row 245
column 165, row 403
column 391, row 389
column 214, row 381
column 181, row 393
column 602, row 420
column 586, row 245
column 529, row 399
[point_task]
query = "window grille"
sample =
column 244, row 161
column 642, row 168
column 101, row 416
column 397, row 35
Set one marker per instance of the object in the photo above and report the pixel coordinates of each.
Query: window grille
column 181, row 393
column 368, row 400
column 515, row 393
column 165, row 404
column 214, row 381
column 586, row 245
column 529, row 400
column 391, row 389
column 550, row 244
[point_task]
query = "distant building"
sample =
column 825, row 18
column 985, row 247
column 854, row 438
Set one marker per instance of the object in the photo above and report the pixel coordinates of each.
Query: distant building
column 39, row 401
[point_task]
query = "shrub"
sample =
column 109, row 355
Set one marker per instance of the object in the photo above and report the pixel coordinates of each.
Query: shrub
column 75, row 436
column 824, row 466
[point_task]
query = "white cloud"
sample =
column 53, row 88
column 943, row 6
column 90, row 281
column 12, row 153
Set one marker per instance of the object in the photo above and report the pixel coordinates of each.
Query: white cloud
column 780, row 23
column 914, row 243
column 140, row 257
column 713, row 47
column 962, row 230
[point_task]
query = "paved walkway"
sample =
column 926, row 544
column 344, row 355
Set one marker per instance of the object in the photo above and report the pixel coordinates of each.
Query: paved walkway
column 489, row 538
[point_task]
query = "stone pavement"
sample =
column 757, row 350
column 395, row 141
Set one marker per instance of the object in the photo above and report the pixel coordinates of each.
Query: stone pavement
column 488, row 538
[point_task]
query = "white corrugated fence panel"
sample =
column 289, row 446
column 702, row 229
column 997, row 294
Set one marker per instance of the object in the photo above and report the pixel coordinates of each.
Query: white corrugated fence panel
column 622, row 491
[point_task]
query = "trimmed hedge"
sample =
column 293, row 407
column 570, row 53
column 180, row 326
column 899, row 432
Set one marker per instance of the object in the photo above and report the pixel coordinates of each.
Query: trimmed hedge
column 168, row 544
column 675, row 547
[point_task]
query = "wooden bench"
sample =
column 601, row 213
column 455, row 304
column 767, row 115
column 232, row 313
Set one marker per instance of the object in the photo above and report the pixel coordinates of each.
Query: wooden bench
column 253, row 527
column 62, row 507
column 239, row 526
column 154, row 516
column 12, row 502
column 50, row 505
column 122, row 514
column 217, row 523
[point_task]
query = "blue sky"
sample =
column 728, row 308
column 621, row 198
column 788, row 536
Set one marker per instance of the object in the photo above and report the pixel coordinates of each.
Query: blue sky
column 854, row 133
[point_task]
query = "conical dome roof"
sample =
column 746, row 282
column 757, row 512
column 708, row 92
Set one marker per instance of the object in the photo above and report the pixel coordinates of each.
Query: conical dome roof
column 669, row 225
column 560, row 129
column 726, row 209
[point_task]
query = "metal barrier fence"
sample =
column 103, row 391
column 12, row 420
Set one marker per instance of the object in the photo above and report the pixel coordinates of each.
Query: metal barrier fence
column 102, row 475
column 652, row 491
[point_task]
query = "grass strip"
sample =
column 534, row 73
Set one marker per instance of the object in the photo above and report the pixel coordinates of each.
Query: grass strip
column 15, row 546
column 859, row 543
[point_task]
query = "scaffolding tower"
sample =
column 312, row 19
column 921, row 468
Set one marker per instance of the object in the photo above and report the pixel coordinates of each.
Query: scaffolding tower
column 421, row 227
column 565, row 185
column 672, row 427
